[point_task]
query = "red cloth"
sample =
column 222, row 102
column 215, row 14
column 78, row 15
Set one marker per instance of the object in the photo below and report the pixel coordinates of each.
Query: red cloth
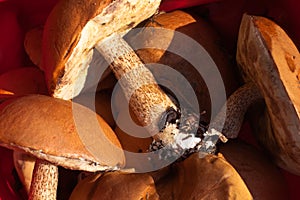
column 18, row 16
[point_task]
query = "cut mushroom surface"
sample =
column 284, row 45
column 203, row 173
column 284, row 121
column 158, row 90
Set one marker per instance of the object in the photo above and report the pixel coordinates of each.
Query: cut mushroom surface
column 268, row 58
column 69, row 39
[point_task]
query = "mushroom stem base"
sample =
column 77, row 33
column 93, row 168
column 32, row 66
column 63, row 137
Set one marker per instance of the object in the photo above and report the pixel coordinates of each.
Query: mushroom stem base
column 44, row 182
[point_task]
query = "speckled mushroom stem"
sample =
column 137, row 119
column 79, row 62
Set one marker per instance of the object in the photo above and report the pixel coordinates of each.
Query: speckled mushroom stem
column 228, row 122
column 145, row 97
column 44, row 181
column 230, row 118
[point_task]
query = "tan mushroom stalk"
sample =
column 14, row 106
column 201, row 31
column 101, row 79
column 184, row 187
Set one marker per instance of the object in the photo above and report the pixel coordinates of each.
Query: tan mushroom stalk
column 234, row 109
column 45, row 128
column 269, row 59
column 146, row 99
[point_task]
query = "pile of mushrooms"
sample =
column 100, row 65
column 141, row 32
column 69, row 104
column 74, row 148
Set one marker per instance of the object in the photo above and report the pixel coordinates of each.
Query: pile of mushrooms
column 57, row 131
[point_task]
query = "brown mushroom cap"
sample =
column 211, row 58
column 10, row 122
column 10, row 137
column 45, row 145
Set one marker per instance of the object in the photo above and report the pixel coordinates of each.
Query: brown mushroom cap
column 115, row 185
column 59, row 132
column 208, row 177
column 73, row 28
column 33, row 45
column 269, row 58
column 27, row 80
column 262, row 177
column 100, row 102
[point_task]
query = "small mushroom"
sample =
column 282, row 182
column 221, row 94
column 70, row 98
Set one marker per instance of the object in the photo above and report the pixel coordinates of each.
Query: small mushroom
column 45, row 128
column 269, row 59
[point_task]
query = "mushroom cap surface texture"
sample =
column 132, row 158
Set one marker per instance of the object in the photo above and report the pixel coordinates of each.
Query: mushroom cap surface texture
column 21, row 81
column 115, row 185
column 269, row 58
column 262, row 177
column 61, row 132
column 197, row 177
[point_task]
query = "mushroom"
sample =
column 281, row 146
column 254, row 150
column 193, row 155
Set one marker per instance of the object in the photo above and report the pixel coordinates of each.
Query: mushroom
column 115, row 185
column 71, row 32
column 45, row 128
column 202, row 177
column 30, row 81
column 33, row 47
column 262, row 177
column 270, row 60
column 69, row 41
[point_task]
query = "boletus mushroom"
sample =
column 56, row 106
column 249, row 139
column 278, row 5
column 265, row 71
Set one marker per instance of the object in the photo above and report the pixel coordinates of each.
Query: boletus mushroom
column 46, row 128
column 270, row 60
column 71, row 32
column 70, row 39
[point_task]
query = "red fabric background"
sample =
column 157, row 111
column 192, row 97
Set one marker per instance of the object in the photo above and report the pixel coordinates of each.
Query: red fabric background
column 18, row 16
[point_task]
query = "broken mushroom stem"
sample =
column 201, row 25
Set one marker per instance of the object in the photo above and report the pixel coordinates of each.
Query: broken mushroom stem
column 45, row 180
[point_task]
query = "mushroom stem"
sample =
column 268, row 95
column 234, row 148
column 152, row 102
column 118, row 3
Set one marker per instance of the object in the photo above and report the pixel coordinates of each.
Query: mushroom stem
column 44, row 182
column 146, row 99
column 230, row 119
column 228, row 122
